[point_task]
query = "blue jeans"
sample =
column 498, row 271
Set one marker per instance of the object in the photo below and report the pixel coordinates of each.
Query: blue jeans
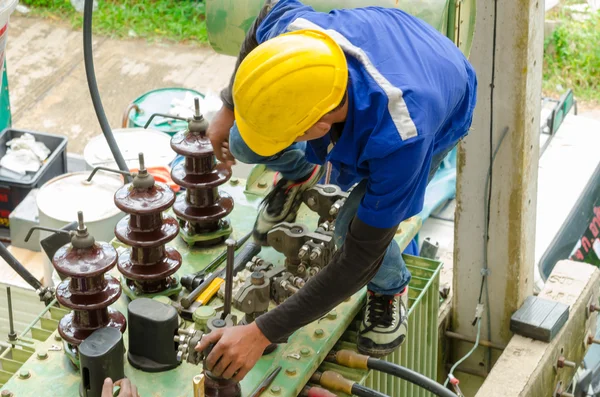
column 393, row 275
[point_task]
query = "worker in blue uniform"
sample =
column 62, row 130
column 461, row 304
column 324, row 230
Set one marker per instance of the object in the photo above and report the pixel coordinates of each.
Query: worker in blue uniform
column 382, row 96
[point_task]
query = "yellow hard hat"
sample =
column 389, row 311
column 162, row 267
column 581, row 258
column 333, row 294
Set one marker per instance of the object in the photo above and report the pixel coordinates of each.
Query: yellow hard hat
column 285, row 85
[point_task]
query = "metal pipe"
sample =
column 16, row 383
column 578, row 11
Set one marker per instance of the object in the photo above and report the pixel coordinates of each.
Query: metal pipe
column 95, row 170
column 19, row 268
column 484, row 343
column 230, row 243
column 469, row 371
column 35, row 320
column 12, row 336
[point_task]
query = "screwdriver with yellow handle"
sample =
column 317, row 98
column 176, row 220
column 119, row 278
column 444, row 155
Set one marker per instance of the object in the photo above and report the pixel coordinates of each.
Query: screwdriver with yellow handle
column 245, row 254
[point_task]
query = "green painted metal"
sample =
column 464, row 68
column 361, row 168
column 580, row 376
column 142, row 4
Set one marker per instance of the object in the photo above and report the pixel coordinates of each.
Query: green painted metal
column 5, row 112
column 56, row 376
column 131, row 294
column 158, row 101
column 227, row 21
column 419, row 351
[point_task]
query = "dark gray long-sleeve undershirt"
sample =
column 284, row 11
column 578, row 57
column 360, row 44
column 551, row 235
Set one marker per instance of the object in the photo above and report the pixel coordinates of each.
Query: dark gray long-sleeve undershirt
column 355, row 263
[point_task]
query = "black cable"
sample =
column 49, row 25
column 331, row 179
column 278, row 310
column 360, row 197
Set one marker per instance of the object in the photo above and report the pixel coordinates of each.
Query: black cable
column 410, row 376
column 362, row 391
column 88, row 59
column 19, row 269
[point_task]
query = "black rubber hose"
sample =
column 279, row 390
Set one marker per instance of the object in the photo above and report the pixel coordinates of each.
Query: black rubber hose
column 410, row 376
column 88, row 59
column 17, row 267
column 361, row 391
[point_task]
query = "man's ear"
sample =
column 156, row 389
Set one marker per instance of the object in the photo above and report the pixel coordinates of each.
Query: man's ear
column 323, row 127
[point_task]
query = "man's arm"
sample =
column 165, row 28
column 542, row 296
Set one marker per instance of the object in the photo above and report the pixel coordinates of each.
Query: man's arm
column 394, row 193
column 249, row 43
column 351, row 268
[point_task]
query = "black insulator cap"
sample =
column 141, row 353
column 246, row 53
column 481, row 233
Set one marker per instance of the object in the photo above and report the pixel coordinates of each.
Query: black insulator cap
column 152, row 326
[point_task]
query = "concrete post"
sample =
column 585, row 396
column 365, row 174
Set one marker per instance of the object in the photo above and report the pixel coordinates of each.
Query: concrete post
column 509, row 98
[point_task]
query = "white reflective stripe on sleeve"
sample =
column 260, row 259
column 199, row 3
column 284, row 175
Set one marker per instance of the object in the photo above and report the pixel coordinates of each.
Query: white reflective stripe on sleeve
column 396, row 105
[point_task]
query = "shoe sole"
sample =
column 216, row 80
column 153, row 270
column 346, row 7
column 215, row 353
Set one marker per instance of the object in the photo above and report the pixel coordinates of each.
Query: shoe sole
column 379, row 351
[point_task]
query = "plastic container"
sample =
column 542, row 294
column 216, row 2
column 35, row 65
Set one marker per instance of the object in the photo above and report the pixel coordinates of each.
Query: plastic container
column 227, row 21
column 60, row 198
column 14, row 187
column 159, row 101
column 6, row 8
column 155, row 145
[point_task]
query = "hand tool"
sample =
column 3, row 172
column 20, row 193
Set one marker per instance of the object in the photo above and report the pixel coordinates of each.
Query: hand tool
column 192, row 281
column 245, row 255
column 265, row 383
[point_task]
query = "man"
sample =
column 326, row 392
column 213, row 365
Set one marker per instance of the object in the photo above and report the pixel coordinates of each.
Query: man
column 383, row 97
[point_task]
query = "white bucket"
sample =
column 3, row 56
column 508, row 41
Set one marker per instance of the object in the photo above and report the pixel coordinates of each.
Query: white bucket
column 59, row 199
column 6, row 8
column 155, row 145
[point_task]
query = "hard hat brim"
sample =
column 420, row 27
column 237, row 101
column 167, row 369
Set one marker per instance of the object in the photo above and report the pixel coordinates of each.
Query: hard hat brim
column 259, row 143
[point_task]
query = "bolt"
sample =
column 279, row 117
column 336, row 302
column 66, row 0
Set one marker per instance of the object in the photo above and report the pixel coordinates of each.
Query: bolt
column 563, row 362
column 311, row 202
column 234, row 181
column 592, row 340
column 303, row 251
column 6, row 393
column 291, row 371
column 319, row 332
column 42, row 355
column 315, row 254
column 594, row 308
column 305, row 352
column 262, row 184
column 332, row 315
column 333, row 210
column 24, row 374
column 275, row 389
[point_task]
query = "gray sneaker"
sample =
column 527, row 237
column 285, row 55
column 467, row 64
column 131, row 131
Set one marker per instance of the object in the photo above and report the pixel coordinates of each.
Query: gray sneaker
column 384, row 324
column 282, row 204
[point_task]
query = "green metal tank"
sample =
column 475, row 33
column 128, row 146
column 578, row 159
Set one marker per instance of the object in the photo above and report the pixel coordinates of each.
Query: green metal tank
column 228, row 21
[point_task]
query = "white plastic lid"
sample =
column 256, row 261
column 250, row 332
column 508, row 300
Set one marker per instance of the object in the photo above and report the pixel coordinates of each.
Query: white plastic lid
column 155, row 145
column 60, row 198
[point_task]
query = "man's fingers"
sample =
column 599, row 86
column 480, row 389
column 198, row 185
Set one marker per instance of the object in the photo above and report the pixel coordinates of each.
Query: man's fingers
column 231, row 370
column 214, row 356
column 242, row 373
column 207, row 339
column 126, row 387
column 107, row 388
column 221, row 366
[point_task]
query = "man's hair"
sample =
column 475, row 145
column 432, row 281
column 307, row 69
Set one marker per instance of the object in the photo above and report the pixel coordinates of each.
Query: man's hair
column 341, row 104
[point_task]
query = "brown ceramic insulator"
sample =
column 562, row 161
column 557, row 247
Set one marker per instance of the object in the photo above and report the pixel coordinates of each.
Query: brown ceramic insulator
column 203, row 205
column 88, row 292
column 217, row 387
column 149, row 264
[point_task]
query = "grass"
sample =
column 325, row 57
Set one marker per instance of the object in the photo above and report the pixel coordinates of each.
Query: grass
column 166, row 20
column 572, row 56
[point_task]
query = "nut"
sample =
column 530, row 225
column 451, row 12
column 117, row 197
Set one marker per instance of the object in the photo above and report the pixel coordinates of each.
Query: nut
column 291, row 371
column 6, row 393
column 42, row 355
column 319, row 333
column 24, row 374
column 305, row 352
column 275, row 389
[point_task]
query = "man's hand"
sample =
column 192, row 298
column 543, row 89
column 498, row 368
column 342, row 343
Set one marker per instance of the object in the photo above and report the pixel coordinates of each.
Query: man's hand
column 218, row 133
column 127, row 388
column 236, row 350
